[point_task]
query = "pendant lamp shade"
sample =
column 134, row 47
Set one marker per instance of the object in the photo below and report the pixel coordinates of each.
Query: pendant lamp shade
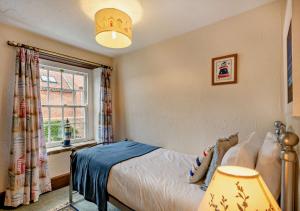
column 113, row 28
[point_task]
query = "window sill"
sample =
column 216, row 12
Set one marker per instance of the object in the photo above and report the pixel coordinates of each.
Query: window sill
column 60, row 149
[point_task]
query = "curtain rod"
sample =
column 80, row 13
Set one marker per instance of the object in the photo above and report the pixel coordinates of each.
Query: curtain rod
column 58, row 57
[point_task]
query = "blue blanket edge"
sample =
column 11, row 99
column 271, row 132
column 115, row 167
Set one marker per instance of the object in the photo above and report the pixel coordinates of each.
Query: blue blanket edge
column 103, row 205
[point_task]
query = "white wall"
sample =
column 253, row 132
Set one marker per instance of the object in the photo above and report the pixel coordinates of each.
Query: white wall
column 165, row 93
column 58, row 163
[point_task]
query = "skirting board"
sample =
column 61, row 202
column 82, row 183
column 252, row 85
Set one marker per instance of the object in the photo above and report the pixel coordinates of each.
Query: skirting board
column 2, row 197
column 56, row 182
column 60, row 181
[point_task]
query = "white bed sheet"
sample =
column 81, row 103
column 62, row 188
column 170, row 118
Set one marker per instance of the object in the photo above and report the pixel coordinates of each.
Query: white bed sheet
column 155, row 181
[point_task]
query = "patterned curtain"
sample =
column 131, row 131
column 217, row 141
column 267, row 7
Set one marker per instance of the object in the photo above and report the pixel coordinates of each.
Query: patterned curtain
column 105, row 118
column 28, row 171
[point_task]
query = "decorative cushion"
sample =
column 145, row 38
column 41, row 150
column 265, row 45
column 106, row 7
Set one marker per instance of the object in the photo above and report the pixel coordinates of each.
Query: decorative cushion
column 220, row 149
column 269, row 164
column 243, row 154
column 200, row 166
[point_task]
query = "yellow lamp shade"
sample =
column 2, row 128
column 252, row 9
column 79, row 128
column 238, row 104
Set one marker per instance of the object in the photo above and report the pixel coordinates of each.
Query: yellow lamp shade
column 237, row 188
column 113, row 28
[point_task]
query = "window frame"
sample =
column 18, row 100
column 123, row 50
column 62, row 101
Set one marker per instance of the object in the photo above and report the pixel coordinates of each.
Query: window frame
column 88, row 106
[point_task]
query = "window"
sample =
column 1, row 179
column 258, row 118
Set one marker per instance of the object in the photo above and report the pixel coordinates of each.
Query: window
column 64, row 95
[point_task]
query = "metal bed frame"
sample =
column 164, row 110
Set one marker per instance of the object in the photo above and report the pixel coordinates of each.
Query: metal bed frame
column 289, row 171
column 289, row 168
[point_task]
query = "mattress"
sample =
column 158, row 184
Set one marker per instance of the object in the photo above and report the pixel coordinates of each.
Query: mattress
column 155, row 181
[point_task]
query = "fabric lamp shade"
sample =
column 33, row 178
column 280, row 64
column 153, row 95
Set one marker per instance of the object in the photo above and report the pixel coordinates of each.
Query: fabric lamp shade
column 113, row 28
column 237, row 188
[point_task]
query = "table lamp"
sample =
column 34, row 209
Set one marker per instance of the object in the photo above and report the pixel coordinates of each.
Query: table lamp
column 237, row 188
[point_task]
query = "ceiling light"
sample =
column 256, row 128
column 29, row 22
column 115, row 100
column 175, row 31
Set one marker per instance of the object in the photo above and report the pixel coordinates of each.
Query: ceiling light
column 113, row 28
column 133, row 8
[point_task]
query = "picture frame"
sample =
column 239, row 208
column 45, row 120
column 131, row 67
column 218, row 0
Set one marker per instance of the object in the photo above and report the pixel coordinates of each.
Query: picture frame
column 225, row 70
column 289, row 57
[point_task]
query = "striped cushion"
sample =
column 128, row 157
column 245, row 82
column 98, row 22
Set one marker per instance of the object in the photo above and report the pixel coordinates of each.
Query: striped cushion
column 200, row 166
column 220, row 149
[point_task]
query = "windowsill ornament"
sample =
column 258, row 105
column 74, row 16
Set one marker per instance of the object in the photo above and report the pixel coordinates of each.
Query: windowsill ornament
column 68, row 134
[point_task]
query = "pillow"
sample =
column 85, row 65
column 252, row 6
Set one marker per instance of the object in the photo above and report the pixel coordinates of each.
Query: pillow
column 243, row 154
column 269, row 164
column 220, row 149
column 200, row 166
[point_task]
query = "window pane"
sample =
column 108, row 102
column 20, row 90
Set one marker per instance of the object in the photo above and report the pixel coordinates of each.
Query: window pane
column 45, row 113
column 56, row 132
column 79, row 82
column 44, row 96
column 79, row 98
column 80, row 131
column 80, row 123
column 73, row 131
column 80, row 115
column 56, row 124
column 56, row 114
column 67, row 96
column 79, row 86
column 54, row 97
column 54, row 79
column 67, row 81
column 54, row 88
column 44, row 86
column 44, row 78
column 69, row 114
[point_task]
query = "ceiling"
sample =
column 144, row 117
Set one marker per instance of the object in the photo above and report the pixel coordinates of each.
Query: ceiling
column 71, row 21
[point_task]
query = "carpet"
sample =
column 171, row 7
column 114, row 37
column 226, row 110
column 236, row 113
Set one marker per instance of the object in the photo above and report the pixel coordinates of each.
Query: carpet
column 67, row 207
column 64, row 207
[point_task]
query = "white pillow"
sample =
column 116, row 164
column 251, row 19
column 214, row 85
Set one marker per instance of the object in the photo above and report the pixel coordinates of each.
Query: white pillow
column 269, row 164
column 243, row 154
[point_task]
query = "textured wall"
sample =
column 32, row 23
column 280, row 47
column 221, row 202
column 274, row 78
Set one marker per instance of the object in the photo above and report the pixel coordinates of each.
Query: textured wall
column 165, row 93
column 7, row 67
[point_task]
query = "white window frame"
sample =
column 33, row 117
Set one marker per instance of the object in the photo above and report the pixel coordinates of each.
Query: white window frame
column 89, row 117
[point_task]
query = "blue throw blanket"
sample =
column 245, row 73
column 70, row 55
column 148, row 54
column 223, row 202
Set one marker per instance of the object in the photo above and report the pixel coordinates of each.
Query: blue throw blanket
column 91, row 166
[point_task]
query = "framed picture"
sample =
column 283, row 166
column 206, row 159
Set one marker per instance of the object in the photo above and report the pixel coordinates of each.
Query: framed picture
column 224, row 70
column 289, row 66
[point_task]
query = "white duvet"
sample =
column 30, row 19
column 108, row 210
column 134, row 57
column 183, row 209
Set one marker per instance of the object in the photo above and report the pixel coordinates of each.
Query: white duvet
column 155, row 181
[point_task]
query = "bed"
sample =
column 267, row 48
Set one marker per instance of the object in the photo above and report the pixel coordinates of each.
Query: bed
column 157, row 180
column 159, row 184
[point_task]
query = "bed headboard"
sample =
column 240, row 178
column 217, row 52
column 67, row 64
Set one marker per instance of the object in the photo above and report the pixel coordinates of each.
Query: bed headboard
column 289, row 169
